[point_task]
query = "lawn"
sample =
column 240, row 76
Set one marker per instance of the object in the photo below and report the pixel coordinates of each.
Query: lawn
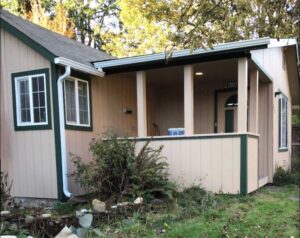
column 269, row 212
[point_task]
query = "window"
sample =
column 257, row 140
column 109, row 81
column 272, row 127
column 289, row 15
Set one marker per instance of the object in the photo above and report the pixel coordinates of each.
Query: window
column 30, row 100
column 283, row 128
column 77, row 102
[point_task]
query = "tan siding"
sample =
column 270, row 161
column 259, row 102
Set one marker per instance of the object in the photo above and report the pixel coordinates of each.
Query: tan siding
column 274, row 63
column 109, row 96
column 197, row 162
column 28, row 156
column 252, row 164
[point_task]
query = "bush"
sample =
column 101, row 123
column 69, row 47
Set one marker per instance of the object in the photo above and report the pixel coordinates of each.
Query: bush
column 284, row 177
column 295, row 168
column 194, row 201
column 5, row 190
column 116, row 170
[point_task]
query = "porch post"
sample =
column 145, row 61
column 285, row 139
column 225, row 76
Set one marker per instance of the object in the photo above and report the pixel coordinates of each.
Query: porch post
column 242, row 94
column 253, row 107
column 188, row 100
column 141, row 103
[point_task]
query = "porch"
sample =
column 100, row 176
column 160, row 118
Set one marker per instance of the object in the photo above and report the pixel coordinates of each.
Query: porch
column 222, row 109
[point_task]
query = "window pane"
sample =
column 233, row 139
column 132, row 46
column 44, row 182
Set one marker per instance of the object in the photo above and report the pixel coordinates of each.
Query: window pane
column 35, row 86
column 70, row 100
column 24, row 101
column 38, row 96
column 83, row 102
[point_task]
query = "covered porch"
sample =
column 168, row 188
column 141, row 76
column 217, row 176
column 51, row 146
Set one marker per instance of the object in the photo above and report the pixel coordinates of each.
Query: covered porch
column 219, row 113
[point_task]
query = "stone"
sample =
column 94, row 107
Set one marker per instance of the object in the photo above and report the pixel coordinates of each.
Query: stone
column 66, row 232
column 8, row 236
column 123, row 204
column 98, row 206
column 46, row 215
column 86, row 220
column 157, row 202
column 139, row 200
column 29, row 219
column 5, row 213
column 114, row 207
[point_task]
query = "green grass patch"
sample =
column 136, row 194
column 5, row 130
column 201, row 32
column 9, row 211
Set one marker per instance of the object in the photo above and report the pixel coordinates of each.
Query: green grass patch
column 270, row 212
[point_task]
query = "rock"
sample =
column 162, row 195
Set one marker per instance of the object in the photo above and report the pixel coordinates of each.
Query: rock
column 98, row 206
column 114, row 207
column 157, row 202
column 139, row 200
column 29, row 219
column 123, row 204
column 66, row 233
column 5, row 213
column 86, row 220
column 46, row 215
column 8, row 236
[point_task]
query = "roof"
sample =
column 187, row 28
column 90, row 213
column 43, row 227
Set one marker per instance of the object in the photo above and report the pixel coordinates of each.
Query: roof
column 52, row 43
column 225, row 50
column 220, row 51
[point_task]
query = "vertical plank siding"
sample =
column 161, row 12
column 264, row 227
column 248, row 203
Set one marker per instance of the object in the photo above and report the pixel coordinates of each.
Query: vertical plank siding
column 27, row 156
column 252, row 166
column 109, row 96
column 213, row 163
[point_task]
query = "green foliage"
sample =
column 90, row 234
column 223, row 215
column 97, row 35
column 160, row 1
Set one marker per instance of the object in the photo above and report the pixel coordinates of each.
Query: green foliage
column 5, row 190
column 296, row 117
column 116, row 170
column 63, row 208
column 194, row 201
column 283, row 177
column 295, row 168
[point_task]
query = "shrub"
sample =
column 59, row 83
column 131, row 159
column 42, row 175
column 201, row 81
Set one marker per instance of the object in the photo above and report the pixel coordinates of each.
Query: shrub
column 283, row 177
column 5, row 190
column 295, row 168
column 116, row 170
column 194, row 200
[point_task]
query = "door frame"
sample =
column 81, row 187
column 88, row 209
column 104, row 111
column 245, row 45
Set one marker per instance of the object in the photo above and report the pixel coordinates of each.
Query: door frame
column 216, row 100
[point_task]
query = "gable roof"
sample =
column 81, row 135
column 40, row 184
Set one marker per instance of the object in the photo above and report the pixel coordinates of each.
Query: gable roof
column 52, row 44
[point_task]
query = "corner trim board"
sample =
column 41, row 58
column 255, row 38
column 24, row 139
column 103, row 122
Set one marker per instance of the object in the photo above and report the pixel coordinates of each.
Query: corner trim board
column 54, row 77
column 244, row 165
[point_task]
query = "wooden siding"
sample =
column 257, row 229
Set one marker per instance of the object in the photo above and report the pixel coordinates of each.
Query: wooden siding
column 252, row 164
column 196, row 161
column 273, row 61
column 109, row 96
column 27, row 156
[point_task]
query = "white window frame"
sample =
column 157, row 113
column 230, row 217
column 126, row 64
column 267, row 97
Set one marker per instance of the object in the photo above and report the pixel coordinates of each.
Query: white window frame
column 282, row 100
column 77, row 123
column 18, row 100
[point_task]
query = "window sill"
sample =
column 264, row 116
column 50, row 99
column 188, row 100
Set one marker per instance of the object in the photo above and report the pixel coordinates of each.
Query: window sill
column 78, row 128
column 33, row 127
column 283, row 149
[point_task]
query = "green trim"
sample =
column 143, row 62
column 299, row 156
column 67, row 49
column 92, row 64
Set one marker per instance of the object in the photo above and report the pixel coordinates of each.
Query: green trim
column 83, row 128
column 27, row 40
column 54, row 76
column 283, row 149
column 244, row 165
column 32, row 127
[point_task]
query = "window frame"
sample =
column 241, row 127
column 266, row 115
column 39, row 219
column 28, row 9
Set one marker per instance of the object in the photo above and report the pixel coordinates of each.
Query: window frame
column 282, row 99
column 78, row 125
column 21, row 126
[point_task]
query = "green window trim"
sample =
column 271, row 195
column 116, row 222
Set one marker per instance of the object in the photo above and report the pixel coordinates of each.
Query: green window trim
column 80, row 127
column 244, row 165
column 47, row 126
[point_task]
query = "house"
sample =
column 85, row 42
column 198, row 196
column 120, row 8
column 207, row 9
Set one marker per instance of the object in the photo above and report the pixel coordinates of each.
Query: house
column 232, row 103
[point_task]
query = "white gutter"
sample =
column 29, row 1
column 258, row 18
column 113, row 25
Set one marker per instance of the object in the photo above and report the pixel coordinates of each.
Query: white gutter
column 64, row 165
column 78, row 66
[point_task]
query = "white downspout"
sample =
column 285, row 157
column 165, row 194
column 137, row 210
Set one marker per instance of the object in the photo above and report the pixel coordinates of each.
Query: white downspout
column 64, row 165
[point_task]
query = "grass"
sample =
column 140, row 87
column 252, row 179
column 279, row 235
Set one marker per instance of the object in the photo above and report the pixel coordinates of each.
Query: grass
column 270, row 212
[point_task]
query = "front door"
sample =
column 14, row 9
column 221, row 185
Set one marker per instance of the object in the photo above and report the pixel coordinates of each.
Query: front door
column 227, row 112
column 229, row 120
